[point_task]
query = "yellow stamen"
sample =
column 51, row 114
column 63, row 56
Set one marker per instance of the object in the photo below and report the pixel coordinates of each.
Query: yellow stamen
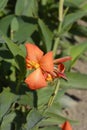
column 49, row 77
column 34, row 64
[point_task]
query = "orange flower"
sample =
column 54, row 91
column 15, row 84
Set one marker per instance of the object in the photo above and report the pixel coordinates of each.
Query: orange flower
column 45, row 68
column 66, row 126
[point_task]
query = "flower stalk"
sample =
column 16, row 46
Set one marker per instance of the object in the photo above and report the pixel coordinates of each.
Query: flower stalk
column 61, row 2
column 57, row 39
column 51, row 100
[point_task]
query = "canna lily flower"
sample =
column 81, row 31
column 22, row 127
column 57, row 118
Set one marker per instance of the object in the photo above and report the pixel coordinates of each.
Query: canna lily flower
column 45, row 68
column 66, row 126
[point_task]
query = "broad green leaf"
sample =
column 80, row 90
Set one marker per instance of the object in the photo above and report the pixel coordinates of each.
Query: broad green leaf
column 44, row 95
column 75, row 80
column 33, row 118
column 3, row 3
column 79, row 30
column 44, row 2
column 26, row 8
column 24, row 29
column 50, row 128
column 46, row 34
column 71, row 18
column 19, row 7
column 59, row 95
column 17, row 53
column 14, row 24
column 54, row 112
column 54, row 116
column 67, row 102
column 6, row 99
column 74, row 3
column 35, row 128
column 55, row 120
column 1, row 41
column 5, row 23
column 27, row 26
column 15, row 50
column 20, row 64
column 77, row 50
column 7, row 121
column 84, row 6
column 54, row 108
column 27, row 99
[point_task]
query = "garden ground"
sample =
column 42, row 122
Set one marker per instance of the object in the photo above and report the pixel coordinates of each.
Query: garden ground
column 79, row 111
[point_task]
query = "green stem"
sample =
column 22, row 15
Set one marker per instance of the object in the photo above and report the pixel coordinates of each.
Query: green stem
column 61, row 2
column 54, row 94
column 18, row 86
column 56, row 43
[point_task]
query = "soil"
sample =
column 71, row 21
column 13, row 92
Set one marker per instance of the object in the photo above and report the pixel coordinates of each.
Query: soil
column 79, row 110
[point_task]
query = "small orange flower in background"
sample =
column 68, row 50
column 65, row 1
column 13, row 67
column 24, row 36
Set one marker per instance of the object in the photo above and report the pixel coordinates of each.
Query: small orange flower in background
column 45, row 68
column 66, row 126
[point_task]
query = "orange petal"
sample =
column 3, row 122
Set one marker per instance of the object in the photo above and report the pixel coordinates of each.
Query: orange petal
column 62, row 75
column 66, row 126
column 36, row 80
column 33, row 52
column 46, row 62
column 61, row 67
column 60, row 60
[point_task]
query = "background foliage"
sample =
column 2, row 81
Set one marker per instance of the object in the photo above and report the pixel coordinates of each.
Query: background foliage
column 40, row 22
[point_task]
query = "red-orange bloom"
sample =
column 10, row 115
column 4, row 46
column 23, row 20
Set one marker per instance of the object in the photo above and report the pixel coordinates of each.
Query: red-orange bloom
column 66, row 126
column 45, row 68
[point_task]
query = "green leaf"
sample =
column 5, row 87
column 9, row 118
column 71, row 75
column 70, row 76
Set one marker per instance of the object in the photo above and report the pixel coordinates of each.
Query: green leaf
column 17, row 53
column 6, row 99
column 84, row 6
column 50, row 128
column 55, row 120
column 3, row 3
column 56, row 114
column 44, row 2
column 14, row 24
column 24, row 29
column 5, row 23
column 67, row 102
column 33, row 118
column 46, row 34
column 74, row 3
column 15, row 50
column 19, row 7
column 53, row 116
column 44, row 95
column 27, row 99
column 26, row 8
column 75, row 80
column 77, row 50
column 71, row 18
column 27, row 26
column 7, row 120
column 79, row 30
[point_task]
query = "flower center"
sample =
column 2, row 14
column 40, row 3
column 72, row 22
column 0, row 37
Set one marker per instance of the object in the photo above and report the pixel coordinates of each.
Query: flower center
column 33, row 64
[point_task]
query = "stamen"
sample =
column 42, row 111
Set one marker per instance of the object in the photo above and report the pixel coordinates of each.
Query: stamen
column 32, row 64
column 49, row 77
column 29, row 66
